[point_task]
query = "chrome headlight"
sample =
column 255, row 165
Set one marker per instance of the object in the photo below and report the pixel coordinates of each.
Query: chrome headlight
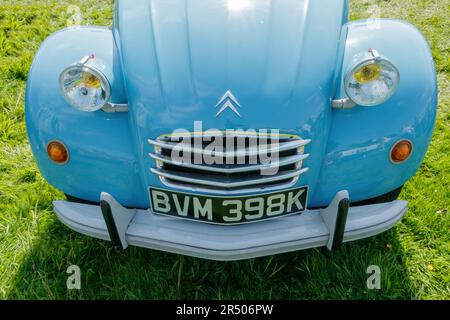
column 85, row 87
column 372, row 81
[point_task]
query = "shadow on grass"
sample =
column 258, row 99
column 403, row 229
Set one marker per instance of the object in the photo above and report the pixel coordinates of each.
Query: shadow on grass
column 145, row 274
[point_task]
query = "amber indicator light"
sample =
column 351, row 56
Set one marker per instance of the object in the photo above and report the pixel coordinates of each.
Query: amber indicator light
column 401, row 151
column 57, row 152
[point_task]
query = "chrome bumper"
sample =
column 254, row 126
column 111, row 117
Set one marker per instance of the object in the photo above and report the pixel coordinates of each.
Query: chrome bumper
column 314, row 228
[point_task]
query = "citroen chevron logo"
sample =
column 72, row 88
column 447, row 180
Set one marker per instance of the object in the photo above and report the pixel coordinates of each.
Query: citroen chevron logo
column 228, row 101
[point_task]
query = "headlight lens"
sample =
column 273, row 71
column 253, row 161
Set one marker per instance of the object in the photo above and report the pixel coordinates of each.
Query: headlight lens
column 372, row 82
column 85, row 88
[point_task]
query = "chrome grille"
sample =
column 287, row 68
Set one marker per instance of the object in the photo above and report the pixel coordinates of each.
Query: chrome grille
column 237, row 177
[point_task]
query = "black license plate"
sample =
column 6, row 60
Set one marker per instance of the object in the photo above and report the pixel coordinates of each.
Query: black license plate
column 228, row 210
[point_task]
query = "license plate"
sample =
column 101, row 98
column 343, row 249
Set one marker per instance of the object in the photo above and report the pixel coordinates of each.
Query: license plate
column 228, row 210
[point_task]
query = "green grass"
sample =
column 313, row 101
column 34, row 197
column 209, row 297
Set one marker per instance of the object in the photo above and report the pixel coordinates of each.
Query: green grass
column 35, row 249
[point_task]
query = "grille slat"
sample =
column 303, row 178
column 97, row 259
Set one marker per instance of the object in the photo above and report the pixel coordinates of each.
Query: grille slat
column 236, row 173
column 232, row 169
column 227, row 183
column 248, row 152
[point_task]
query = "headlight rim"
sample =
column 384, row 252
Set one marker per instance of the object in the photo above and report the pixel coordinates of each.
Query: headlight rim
column 360, row 64
column 96, row 72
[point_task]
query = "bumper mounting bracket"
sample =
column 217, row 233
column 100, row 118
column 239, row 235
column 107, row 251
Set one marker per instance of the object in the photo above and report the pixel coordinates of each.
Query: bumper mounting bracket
column 335, row 218
column 117, row 220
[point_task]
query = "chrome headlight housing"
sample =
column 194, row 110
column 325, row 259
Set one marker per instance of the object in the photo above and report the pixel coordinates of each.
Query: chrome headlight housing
column 85, row 87
column 372, row 80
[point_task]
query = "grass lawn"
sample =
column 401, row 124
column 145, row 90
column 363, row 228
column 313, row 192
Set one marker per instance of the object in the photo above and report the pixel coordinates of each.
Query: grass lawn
column 36, row 249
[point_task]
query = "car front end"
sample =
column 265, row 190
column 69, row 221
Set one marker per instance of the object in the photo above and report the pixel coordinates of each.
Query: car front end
column 231, row 129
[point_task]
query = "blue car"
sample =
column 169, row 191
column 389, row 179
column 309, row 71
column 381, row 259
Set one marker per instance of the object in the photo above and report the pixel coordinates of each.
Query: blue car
column 232, row 129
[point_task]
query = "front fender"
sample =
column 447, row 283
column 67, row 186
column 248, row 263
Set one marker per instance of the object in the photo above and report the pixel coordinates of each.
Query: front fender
column 357, row 157
column 101, row 154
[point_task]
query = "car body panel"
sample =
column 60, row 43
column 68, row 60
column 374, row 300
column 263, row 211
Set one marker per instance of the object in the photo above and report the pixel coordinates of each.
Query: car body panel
column 176, row 70
column 361, row 138
column 284, row 66
column 101, row 152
